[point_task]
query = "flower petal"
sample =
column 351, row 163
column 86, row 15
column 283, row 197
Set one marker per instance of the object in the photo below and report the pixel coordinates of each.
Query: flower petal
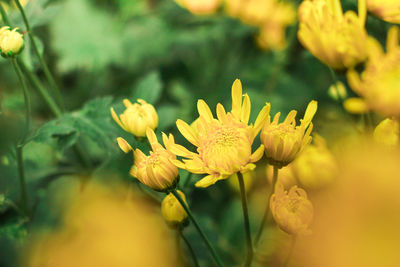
column 208, row 180
column 124, row 145
column 236, row 98
column 204, row 110
column 310, row 112
column 187, row 132
column 245, row 112
column 257, row 155
column 116, row 119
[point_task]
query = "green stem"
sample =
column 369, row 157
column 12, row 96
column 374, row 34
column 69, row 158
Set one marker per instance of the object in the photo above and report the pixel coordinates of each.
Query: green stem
column 191, row 251
column 4, row 15
column 292, row 244
column 45, row 68
column 21, row 144
column 267, row 209
column 249, row 243
column 335, row 81
column 197, row 226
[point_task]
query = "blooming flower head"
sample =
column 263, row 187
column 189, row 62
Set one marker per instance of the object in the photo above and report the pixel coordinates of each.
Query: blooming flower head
column 137, row 117
column 223, row 144
column 172, row 211
column 200, row 7
column 388, row 10
column 283, row 141
column 387, row 132
column 379, row 83
column 11, row 42
column 316, row 166
column 156, row 170
column 292, row 211
column 338, row 40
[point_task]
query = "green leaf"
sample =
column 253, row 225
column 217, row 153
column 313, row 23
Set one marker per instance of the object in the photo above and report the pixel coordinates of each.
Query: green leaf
column 149, row 88
column 167, row 116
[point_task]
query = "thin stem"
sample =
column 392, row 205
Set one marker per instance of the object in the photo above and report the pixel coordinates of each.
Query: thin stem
column 4, row 14
column 205, row 239
column 21, row 144
column 292, row 244
column 249, row 243
column 45, row 68
column 267, row 209
column 191, row 251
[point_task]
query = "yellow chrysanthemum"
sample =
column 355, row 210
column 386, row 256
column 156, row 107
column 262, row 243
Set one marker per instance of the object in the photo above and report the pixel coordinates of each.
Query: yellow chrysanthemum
column 156, row 170
column 387, row 132
column 316, row 166
column 223, row 144
column 292, row 211
column 200, row 7
column 388, row 10
column 283, row 141
column 338, row 40
column 11, row 42
column 137, row 117
column 379, row 83
column 172, row 211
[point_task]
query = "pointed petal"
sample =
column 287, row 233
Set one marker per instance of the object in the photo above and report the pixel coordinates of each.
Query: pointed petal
column 236, row 98
column 208, row 180
column 310, row 112
column 178, row 164
column 392, row 41
column 257, row 155
column 127, row 103
column 362, row 12
column 204, row 110
column 116, row 119
column 245, row 112
column 187, row 132
column 290, row 118
column 151, row 136
column 221, row 113
column 261, row 119
column 124, row 145
column 180, row 151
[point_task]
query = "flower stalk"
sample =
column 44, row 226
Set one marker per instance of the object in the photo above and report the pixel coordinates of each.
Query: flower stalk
column 197, row 226
column 190, row 248
column 249, row 244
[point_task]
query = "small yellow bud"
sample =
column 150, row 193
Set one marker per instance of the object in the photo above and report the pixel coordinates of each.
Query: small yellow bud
column 292, row 211
column 316, row 166
column 355, row 105
column 156, row 170
column 337, row 91
column 283, row 141
column 387, row 132
column 11, row 42
column 137, row 117
column 124, row 145
column 172, row 211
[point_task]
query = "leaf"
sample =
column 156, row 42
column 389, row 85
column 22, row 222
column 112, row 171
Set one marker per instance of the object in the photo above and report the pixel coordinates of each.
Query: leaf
column 167, row 115
column 149, row 88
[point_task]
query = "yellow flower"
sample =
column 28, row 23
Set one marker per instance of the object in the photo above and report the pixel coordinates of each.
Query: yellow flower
column 316, row 166
column 338, row 40
column 200, row 7
column 388, row 10
column 379, row 83
column 292, row 211
column 283, row 141
column 137, row 117
column 387, row 132
column 355, row 105
column 337, row 91
column 172, row 211
column 223, row 144
column 156, row 170
column 11, row 42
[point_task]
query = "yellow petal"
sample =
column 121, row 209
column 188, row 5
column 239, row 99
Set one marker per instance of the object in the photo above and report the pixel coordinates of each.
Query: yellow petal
column 362, row 12
column 127, row 103
column 257, row 155
column 310, row 112
column 204, row 110
column 245, row 112
column 221, row 114
column 260, row 121
column 187, row 132
column 116, row 119
column 392, row 41
column 124, row 145
column 355, row 105
column 236, row 98
column 207, row 181
column 151, row 136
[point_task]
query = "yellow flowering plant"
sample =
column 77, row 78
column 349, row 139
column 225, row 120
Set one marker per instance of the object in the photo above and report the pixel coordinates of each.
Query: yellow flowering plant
column 11, row 42
column 173, row 212
column 223, row 143
column 337, row 39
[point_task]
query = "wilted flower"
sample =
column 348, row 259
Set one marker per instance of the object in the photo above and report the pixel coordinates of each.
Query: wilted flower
column 338, row 40
column 355, row 105
column 292, row 211
column 388, row 10
column 337, row 91
column 137, row 117
column 378, row 84
column 223, row 144
column 387, row 132
column 316, row 166
column 200, row 7
column 172, row 211
column 11, row 42
column 283, row 141
column 156, row 170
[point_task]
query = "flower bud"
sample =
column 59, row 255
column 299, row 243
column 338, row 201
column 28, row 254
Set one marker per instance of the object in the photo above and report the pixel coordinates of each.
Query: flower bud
column 337, row 91
column 292, row 211
column 124, row 145
column 137, row 117
column 11, row 42
column 172, row 211
column 355, row 105
column 316, row 166
column 156, row 170
column 387, row 132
